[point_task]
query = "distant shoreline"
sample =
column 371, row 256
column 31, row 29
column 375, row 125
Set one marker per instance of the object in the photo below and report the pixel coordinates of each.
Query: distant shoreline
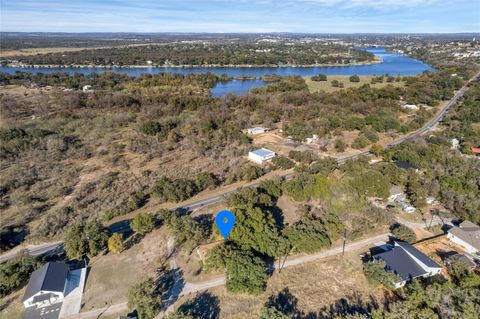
column 191, row 66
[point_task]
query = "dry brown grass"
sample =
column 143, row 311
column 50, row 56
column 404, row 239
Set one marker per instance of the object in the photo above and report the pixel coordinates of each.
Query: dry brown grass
column 316, row 285
column 112, row 275
column 316, row 86
column 11, row 307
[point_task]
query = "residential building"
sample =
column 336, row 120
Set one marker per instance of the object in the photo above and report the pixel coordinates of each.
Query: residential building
column 467, row 235
column 408, row 262
column 476, row 151
column 261, row 155
column 46, row 285
column 257, row 130
column 87, row 88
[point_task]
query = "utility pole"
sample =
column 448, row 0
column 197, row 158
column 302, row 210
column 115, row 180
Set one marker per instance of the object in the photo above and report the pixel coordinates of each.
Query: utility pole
column 344, row 241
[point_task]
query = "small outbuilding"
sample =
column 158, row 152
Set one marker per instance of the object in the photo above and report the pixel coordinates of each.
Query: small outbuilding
column 257, row 130
column 261, row 155
column 46, row 285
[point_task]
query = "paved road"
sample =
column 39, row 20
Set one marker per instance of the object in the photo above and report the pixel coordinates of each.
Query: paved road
column 125, row 225
column 33, row 250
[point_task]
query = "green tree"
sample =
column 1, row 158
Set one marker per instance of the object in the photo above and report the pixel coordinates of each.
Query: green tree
column 143, row 223
column 376, row 274
column 403, row 233
column 246, row 273
column 96, row 237
column 74, row 243
column 145, row 298
column 115, row 243
column 15, row 272
column 255, row 229
column 307, row 235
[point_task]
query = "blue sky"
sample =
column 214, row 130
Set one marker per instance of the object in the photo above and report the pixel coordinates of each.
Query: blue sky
column 313, row 16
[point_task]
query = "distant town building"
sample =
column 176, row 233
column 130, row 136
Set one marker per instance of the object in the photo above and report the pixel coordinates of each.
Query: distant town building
column 408, row 262
column 261, row 155
column 467, row 235
column 46, row 285
column 406, row 106
column 257, row 130
column 87, row 88
column 476, row 151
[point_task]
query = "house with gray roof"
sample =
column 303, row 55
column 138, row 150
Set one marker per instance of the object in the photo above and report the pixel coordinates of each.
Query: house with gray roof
column 467, row 235
column 46, row 285
column 408, row 262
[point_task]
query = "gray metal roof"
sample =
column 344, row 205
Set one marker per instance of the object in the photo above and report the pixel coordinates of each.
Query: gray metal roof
column 400, row 262
column 51, row 277
column 468, row 232
column 263, row 152
column 418, row 254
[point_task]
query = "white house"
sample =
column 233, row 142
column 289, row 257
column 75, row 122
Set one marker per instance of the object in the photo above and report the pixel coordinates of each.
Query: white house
column 408, row 262
column 261, row 155
column 411, row 107
column 87, row 88
column 257, row 130
column 467, row 235
column 46, row 285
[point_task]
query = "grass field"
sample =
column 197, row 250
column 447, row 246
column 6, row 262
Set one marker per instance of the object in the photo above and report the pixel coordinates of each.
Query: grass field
column 315, row 286
column 112, row 275
column 316, row 86
column 11, row 306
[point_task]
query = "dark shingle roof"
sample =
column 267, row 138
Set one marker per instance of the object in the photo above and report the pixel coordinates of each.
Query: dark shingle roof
column 51, row 277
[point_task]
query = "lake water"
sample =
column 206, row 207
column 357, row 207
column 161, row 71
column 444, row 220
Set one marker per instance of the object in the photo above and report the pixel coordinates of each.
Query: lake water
column 392, row 64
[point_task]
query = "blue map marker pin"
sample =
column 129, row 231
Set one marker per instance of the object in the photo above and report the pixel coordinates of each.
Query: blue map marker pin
column 225, row 221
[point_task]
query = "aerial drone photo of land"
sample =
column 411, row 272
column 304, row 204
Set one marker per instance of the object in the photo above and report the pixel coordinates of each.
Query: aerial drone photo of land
column 177, row 169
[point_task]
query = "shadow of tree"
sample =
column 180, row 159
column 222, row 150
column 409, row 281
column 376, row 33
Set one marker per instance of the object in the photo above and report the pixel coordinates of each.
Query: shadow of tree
column 203, row 306
column 353, row 305
column 170, row 284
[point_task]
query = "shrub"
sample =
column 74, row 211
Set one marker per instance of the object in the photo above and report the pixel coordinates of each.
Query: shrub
column 85, row 239
column 354, row 78
column 376, row 274
column 360, row 142
column 150, row 128
column 320, row 77
column 305, row 157
column 282, row 162
column 340, row 145
column 403, row 233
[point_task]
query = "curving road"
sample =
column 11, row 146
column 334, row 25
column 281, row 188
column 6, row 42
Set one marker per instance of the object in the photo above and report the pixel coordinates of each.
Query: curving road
column 125, row 225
